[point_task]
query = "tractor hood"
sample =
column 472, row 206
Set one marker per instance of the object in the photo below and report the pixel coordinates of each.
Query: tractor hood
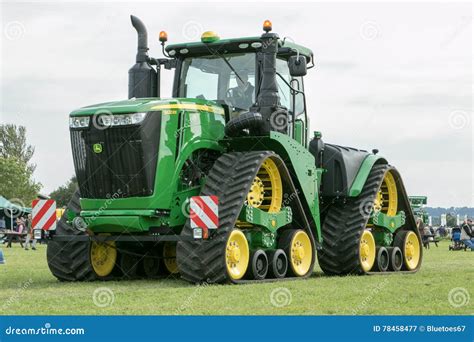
column 150, row 104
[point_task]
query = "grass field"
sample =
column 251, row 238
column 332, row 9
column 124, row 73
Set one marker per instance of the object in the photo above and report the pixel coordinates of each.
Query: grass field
column 27, row 287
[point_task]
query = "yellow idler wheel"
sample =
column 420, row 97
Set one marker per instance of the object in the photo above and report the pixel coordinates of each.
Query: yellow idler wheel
column 169, row 257
column 409, row 244
column 103, row 256
column 237, row 254
column 266, row 191
column 367, row 251
column 297, row 246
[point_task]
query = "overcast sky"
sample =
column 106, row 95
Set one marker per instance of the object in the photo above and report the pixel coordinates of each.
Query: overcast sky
column 396, row 77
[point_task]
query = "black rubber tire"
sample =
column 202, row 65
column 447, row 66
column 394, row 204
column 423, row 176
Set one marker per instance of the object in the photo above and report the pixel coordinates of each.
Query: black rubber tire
column 343, row 226
column 250, row 120
column 278, row 264
column 258, row 265
column 382, row 260
column 69, row 260
column 396, row 259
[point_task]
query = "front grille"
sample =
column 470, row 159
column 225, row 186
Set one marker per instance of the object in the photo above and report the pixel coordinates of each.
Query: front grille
column 126, row 165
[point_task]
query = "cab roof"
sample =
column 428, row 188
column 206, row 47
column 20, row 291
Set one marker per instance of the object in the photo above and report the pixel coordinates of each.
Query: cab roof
column 230, row 45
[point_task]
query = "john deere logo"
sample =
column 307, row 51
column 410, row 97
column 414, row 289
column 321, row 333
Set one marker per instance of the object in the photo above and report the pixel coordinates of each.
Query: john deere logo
column 97, row 148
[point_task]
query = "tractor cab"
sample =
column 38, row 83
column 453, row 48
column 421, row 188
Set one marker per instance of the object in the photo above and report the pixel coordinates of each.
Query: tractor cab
column 241, row 74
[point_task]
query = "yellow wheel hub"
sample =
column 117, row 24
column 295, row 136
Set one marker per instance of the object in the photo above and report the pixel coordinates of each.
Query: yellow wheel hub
column 386, row 199
column 169, row 255
column 237, row 254
column 266, row 191
column 367, row 251
column 103, row 256
column 256, row 193
column 411, row 251
column 301, row 253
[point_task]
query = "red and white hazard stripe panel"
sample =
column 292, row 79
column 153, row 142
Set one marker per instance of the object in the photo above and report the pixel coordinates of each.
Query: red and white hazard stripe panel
column 204, row 212
column 44, row 214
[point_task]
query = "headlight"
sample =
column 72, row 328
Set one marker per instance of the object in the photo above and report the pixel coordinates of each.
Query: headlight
column 108, row 120
column 79, row 122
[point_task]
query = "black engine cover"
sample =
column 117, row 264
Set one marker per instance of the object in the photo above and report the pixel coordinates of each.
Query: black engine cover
column 341, row 164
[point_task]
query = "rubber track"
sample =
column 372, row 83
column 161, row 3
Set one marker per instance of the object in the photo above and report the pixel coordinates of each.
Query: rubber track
column 345, row 222
column 229, row 179
column 69, row 260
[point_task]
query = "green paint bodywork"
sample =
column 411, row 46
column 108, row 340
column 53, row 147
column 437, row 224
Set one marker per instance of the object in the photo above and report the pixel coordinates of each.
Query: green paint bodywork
column 198, row 129
column 382, row 237
column 362, row 174
column 261, row 238
column 270, row 221
column 392, row 223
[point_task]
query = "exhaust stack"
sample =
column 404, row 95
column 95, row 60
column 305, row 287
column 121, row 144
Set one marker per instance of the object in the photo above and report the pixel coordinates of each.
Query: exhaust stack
column 142, row 77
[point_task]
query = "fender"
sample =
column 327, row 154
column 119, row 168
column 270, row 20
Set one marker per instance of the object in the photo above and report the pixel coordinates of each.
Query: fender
column 363, row 173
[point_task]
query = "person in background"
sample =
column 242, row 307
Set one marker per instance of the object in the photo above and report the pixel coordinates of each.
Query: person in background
column 30, row 238
column 467, row 235
column 20, row 227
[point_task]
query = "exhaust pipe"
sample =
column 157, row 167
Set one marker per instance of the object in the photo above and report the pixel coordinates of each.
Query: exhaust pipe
column 142, row 48
column 142, row 77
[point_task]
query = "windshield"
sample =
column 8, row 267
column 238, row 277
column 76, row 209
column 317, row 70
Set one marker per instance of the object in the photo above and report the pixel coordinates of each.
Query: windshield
column 212, row 78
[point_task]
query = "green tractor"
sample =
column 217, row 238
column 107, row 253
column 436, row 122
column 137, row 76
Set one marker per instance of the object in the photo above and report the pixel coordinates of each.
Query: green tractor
column 418, row 206
column 222, row 182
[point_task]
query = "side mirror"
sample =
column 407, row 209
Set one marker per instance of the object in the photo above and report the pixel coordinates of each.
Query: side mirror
column 297, row 65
